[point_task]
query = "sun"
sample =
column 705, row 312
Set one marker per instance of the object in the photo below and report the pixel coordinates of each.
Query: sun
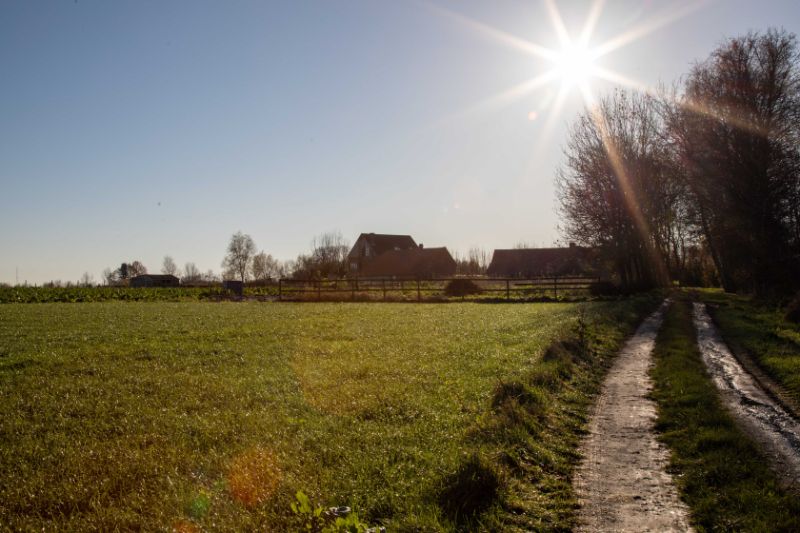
column 574, row 64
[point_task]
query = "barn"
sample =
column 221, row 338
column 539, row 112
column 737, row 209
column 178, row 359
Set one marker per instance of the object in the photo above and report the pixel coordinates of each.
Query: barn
column 368, row 246
column 540, row 262
column 412, row 263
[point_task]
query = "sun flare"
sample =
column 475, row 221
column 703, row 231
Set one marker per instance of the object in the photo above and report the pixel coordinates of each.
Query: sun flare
column 575, row 64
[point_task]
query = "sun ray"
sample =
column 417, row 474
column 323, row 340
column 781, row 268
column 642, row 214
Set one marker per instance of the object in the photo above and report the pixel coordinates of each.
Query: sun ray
column 591, row 21
column 629, row 196
column 505, row 97
column 664, row 18
column 695, row 107
column 505, row 38
column 558, row 23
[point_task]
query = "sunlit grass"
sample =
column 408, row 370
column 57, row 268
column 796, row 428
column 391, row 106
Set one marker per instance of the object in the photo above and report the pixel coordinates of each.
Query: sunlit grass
column 212, row 415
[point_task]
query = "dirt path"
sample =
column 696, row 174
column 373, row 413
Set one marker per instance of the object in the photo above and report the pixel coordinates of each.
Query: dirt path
column 622, row 484
column 775, row 430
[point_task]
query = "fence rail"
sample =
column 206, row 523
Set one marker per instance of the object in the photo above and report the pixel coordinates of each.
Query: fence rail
column 419, row 289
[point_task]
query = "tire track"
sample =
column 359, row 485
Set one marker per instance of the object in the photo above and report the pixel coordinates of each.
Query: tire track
column 622, row 483
column 766, row 421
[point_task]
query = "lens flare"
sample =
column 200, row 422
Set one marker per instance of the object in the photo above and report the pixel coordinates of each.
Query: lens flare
column 253, row 477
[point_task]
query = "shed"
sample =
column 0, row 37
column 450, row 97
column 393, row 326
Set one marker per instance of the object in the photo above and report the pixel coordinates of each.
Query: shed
column 155, row 280
column 234, row 285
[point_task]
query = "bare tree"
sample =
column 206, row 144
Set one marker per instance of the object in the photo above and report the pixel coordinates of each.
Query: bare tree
column 127, row 271
column 87, row 280
column 328, row 258
column 110, row 277
column 169, row 267
column 265, row 267
column 617, row 190
column 240, row 252
column 191, row 274
column 738, row 133
column 474, row 264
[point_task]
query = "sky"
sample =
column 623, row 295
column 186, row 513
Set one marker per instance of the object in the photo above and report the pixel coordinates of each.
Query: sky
column 131, row 130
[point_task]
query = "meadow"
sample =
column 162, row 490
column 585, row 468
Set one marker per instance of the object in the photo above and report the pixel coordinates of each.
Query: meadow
column 212, row 415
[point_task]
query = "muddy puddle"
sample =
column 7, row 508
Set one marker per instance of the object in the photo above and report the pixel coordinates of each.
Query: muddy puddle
column 769, row 424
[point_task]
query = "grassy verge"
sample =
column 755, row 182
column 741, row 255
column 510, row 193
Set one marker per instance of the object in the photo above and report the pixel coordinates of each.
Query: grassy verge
column 761, row 330
column 719, row 471
column 208, row 416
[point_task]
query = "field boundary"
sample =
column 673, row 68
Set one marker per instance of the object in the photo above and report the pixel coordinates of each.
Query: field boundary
column 392, row 289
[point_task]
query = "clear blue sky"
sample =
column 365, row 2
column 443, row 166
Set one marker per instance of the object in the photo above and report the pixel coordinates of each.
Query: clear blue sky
column 132, row 130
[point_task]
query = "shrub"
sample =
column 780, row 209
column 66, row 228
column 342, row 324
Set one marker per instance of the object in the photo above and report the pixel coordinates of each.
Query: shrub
column 603, row 288
column 793, row 310
column 462, row 287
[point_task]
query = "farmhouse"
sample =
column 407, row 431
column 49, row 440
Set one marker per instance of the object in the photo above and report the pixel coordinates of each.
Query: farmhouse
column 411, row 263
column 538, row 262
column 155, row 280
column 368, row 246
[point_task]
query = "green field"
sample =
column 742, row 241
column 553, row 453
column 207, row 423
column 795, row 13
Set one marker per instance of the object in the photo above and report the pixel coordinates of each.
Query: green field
column 151, row 415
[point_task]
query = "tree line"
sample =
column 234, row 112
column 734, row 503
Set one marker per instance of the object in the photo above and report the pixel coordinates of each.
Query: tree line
column 699, row 182
column 327, row 258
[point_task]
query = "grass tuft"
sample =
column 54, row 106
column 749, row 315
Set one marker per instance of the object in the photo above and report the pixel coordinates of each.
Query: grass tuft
column 470, row 490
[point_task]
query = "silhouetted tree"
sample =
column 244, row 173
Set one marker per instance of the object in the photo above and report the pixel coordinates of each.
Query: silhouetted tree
column 265, row 267
column 169, row 267
column 191, row 274
column 240, row 252
column 618, row 190
column 738, row 131
column 328, row 258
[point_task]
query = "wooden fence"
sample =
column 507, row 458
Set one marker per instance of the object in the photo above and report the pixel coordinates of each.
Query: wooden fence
column 428, row 289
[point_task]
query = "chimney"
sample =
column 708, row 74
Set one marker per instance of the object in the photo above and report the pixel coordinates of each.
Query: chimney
column 421, row 245
column 572, row 245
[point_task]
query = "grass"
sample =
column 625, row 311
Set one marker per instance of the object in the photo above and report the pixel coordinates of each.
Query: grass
column 192, row 415
column 762, row 331
column 719, row 471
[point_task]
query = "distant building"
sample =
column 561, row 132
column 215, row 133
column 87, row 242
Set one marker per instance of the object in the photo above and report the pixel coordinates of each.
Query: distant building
column 538, row 262
column 233, row 285
column 411, row 263
column 368, row 246
column 155, row 280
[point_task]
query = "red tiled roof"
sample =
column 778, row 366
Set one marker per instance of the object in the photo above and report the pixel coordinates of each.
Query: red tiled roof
column 381, row 242
column 411, row 263
column 533, row 262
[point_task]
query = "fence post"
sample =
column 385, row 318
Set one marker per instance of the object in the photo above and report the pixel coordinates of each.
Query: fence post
column 354, row 287
column 319, row 290
column 508, row 290
column 383, row 285
column 419, row 294
column 555, row 287
column 280, row 289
